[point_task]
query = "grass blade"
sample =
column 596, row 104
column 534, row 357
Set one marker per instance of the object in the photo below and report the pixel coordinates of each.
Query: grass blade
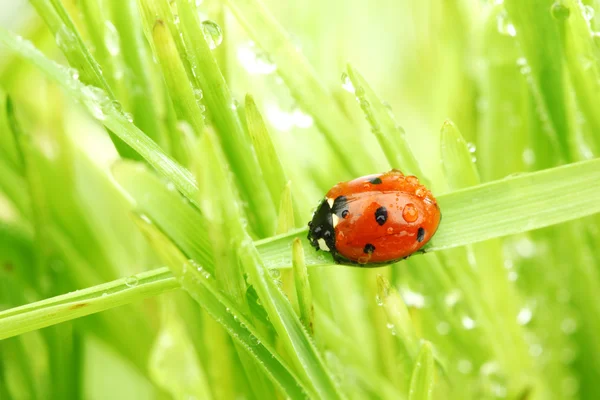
column 302, row 284
column 389, row 134
column 54, row 310
column 422, row 380
column 516, row 204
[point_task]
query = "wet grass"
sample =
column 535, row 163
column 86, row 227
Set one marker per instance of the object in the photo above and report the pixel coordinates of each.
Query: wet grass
column 159, row 161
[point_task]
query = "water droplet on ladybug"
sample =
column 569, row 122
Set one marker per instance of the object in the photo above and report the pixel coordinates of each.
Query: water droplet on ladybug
column 421, row 192
column 410, row 213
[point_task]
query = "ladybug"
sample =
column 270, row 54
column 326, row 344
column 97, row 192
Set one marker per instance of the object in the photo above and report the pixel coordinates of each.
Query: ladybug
column 376, row 219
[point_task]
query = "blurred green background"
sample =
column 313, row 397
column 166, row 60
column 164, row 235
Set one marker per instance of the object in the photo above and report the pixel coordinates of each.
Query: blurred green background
column 509, row 318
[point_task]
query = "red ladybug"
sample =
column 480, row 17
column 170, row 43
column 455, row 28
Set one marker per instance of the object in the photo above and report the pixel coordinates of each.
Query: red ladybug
column 375, row 219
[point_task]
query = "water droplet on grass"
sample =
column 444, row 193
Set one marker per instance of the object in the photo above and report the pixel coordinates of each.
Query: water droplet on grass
column 588, row 12
column 347, row 83
column 111, row 39
column 131, row 281
column 467, row 322
column 560, row 11
column 212, row 33
column 255, row 60
column 524, row 316
column 504, row 26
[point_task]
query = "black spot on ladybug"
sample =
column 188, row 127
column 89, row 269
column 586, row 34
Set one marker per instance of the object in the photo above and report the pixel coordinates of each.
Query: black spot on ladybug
column 369, row 248
column 345, row 213
column 381, row 215
column 375, row 181
column 420, row 234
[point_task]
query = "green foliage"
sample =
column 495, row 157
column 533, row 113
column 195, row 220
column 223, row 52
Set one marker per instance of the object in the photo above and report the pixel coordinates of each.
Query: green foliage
column 152, row 226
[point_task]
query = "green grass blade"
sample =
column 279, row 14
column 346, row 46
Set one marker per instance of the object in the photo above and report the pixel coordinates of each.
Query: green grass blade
column 538, row 35
column 302, row 284
column 582, row 60
column 181, row 90
column 389, row 134
column 222, row 110
column 422, row 380
column 304, row 84
column 458, row 166
column 140, row 87
column 285, row 220
column 106, row 111
column 295, row 338
column 513, row 205
column 265, row 151
column 54, row 310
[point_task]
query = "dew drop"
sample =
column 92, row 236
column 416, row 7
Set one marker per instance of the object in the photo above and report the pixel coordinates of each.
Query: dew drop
column 379, row 300
column 111, row 39
column 410, row 213
column 468, row 322
column 212, row 33
column 588, row 12
column 412, row 299
column 255, row 60
column 524, row 316
column 504, row 26
column 560, row 11
column 131, row 281
column 347, row 83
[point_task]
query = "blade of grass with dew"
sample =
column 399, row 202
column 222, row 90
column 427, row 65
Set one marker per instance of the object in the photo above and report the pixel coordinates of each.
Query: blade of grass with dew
column 141, row 87
column 181, row 90
column 304, row 84
column 104, row 110
column 295, row 339
column 201, row 286
column 513, row 205
column 504, row 88
column 582, row 61
column 54, row 310
column 537, row 33
column 265, row 151
column 222, row 110
column 422, row 380
column 72, row 45
column 303, row 292
column 389, row 134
